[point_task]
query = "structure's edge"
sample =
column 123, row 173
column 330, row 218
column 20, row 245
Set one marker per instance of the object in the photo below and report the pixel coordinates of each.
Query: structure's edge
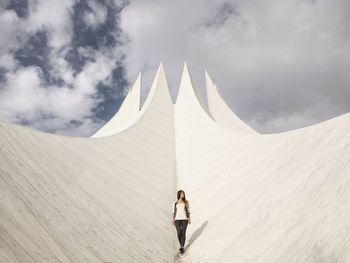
column 155, row 87
column 221, row 112
column 127, row 114
column 196, row 97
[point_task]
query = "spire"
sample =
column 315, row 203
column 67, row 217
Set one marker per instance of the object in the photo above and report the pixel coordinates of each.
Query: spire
column 159, row 89
column 127, row 114
column 219, row 110
column 188, row 92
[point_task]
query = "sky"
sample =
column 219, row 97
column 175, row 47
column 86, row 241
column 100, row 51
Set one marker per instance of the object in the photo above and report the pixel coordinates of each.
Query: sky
column 66, row 65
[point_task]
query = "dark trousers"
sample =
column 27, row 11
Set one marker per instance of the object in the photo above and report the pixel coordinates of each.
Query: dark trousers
column 181, row 226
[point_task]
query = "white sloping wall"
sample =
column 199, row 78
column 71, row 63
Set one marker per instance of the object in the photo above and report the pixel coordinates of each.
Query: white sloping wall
column 90, row 200
column 263, row 198
column 254, row 198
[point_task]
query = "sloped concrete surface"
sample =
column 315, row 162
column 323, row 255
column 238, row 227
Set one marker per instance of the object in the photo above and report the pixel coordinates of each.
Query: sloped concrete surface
column 254, row 198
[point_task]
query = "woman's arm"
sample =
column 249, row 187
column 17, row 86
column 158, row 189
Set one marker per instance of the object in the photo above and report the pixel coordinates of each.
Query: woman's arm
column 174, row 213
column 189, row 212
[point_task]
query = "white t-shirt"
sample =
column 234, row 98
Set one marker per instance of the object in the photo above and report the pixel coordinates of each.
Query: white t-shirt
column 180, row 211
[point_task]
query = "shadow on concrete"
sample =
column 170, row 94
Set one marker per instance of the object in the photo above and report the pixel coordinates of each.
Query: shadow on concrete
column 196, row 234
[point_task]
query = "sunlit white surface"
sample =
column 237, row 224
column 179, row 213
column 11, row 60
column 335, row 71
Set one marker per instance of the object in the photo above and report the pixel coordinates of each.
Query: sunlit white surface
column 254, row 198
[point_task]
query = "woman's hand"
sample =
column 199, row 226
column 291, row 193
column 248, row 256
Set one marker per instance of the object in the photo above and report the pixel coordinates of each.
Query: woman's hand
column 189, row 220
column 173, row 221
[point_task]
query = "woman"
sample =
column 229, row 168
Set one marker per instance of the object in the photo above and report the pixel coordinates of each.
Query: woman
column 181, row 217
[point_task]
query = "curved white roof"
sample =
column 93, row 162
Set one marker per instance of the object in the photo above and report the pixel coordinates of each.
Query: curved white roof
column 128, row 113
column 254, row 198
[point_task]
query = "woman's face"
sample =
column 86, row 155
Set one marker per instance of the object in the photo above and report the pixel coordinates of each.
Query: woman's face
column 182, row 194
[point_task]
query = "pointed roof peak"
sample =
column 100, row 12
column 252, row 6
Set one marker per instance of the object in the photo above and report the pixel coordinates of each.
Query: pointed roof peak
column 127, row 115
column 221, row 112
column 159, row 88
column 161, row 68
column 208, row 78
column 188, row 92
column 186, row 73
column 138, row 80
column 185, row 68
column 160, row 71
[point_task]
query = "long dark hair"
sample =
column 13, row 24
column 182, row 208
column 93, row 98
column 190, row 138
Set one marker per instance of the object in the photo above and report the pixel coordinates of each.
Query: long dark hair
column 178, row 196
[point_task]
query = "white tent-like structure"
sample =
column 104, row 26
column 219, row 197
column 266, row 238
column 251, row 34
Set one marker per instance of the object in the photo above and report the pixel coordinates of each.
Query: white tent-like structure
column 254, row 197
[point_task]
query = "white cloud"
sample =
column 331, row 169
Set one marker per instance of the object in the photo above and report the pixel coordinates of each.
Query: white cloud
column 55, row 17
column 26, row 97
column 97, row 15
column 11, row 33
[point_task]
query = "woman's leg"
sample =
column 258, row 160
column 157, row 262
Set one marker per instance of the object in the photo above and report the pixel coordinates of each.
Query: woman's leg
column 178, row 229
column 183, row 232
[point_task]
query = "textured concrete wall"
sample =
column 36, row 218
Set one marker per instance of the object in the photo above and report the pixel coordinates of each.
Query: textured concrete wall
column 254, row 198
